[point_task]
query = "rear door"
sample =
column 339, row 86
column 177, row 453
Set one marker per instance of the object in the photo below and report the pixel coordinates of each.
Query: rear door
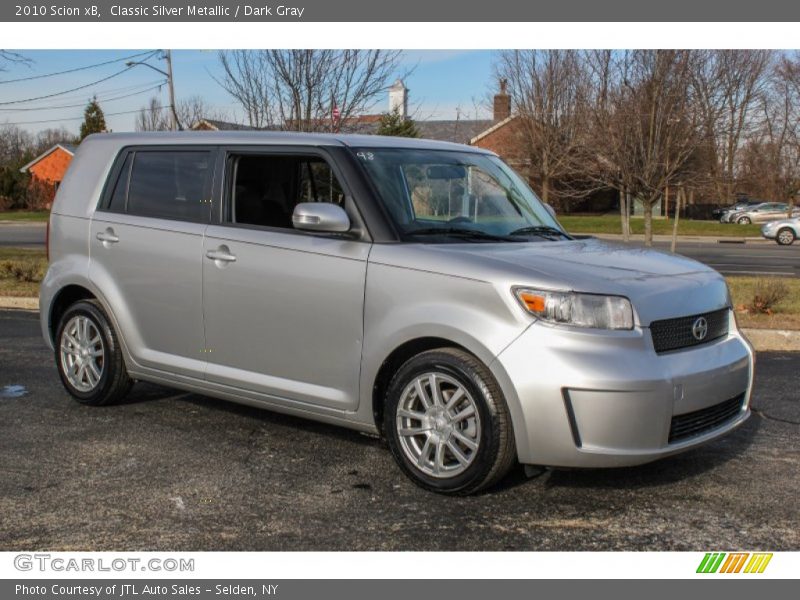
column 146, row 250
column 283, row 308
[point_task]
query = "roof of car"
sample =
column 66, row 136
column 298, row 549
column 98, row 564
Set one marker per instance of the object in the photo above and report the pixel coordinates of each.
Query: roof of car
column 281, row 138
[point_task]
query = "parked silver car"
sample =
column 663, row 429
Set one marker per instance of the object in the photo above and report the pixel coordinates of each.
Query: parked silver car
column 414, row 289
column 784, row 231
column 761, row 213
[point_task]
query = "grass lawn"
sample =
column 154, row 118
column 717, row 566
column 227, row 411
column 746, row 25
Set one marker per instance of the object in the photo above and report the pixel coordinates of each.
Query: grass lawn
column 21, row 271
column 786, row 313
column 611, row 224
column 25, row 215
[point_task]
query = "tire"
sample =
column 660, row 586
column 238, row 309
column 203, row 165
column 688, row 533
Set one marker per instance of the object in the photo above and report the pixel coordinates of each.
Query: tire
column 785, row 236
column 488, row 427
column 743, row 221
column 76, row 352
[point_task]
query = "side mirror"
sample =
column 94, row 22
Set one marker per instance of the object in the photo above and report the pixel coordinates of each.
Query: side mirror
column 320, row 216
column 550, row 209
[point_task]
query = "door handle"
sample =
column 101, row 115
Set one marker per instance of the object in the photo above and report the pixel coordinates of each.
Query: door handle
column 221, row 255
column 107, row 237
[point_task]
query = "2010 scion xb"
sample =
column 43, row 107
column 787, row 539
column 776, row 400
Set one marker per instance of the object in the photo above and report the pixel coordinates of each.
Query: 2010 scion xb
column 411, row 288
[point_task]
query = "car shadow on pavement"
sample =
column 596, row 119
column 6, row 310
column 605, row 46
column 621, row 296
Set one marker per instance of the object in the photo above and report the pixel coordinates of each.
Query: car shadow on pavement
column 146, row 392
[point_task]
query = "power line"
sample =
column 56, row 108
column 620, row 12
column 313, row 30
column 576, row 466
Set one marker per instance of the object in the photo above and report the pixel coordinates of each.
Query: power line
column 99, row 92
column 114, row 114
column 82, row 87
column 75, row 70
column 155, row 87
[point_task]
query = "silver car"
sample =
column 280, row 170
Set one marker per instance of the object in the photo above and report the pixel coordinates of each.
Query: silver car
column 784, row 231
column 413, row 289
column 761, row 213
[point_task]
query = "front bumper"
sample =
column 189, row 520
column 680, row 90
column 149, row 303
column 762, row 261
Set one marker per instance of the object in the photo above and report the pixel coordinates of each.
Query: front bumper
column 583, row 398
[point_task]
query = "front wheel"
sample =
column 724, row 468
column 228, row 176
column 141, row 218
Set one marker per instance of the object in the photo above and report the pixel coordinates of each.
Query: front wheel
column 743, row 221
column 447, row 423
column 88, row 356
column 786, row 236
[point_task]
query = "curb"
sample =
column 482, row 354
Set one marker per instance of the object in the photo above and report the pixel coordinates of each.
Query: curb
column 763, row 340
column 19, row 303
column 708, row 239
column 773, row 340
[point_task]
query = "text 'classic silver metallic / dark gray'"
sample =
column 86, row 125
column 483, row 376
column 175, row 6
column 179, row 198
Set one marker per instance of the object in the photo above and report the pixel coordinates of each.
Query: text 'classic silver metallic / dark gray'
column 415, row 289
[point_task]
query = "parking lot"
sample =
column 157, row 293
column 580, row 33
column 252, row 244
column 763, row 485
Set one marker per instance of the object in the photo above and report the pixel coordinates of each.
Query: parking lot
column 175, row 471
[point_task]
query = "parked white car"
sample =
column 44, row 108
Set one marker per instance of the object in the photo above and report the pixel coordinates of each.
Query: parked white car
column 784, row 231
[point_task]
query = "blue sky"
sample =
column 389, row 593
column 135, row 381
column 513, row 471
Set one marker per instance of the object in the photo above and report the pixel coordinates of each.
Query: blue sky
column 442, row 83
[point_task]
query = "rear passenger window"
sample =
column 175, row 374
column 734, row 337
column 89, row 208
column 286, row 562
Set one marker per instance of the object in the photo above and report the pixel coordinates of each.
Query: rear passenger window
column 169, row 184
column 120, row 193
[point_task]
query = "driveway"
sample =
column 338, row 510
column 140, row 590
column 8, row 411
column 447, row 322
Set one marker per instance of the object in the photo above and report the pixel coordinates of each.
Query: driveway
column 175, row 471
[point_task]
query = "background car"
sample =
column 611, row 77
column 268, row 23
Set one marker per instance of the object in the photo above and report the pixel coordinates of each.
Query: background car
column 767, row 211
column 784, row 231
column 741, row 205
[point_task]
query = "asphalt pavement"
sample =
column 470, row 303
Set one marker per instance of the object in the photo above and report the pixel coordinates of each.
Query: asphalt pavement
column 169, row 470
column 23, row 235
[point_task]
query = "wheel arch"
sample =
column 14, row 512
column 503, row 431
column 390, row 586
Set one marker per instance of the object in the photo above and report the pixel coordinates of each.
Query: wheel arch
column 395, row 360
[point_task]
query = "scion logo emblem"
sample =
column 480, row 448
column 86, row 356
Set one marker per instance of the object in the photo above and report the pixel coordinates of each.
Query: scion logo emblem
column 700, row 329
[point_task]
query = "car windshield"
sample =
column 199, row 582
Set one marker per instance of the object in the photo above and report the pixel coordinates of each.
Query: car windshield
column 441, row 195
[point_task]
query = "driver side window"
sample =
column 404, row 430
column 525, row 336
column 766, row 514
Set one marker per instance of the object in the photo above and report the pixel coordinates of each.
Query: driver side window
column 264, row 189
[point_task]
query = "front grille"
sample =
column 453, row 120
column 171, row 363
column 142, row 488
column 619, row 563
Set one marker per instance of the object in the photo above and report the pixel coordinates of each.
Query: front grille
column 674, row 334
column 698, row 422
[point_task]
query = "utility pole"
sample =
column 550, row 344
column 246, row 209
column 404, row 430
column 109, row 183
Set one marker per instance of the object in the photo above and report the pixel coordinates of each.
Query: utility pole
column 175, row 124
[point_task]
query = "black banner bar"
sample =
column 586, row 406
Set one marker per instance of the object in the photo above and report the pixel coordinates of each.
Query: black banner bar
column 405, row 11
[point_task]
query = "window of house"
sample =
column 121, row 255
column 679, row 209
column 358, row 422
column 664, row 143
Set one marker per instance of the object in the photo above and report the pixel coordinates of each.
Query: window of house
column 169, row 185
column 266, row 188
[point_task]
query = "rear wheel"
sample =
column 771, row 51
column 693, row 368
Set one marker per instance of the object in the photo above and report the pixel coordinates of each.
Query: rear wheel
column 447, row 423
column 88, row 356
column 786, row 236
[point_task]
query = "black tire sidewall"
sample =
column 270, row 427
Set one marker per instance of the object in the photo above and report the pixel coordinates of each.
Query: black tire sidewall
column 465, row 374
column 99, row 393
column 743, row 221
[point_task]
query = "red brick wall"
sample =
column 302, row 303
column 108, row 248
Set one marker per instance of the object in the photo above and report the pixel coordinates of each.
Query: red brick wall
column 508, row 143
column 52, row 167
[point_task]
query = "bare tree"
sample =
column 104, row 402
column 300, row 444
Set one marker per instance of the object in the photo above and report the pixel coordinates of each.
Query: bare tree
column 153, row 117
column 307, row 90
column 156, row 116
column 650, row 130
column 728, row 86
column 775, row 148
column 248, row 80
column 47, row 138
column 550, row 91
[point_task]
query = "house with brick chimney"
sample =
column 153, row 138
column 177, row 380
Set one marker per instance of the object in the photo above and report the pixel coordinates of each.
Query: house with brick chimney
column 504, row 136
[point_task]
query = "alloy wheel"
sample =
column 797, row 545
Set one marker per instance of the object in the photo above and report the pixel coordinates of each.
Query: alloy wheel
column 438, row 425
column 82, row 353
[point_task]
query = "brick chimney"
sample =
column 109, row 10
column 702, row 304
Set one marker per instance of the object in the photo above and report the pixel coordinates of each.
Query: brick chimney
column 502, row 102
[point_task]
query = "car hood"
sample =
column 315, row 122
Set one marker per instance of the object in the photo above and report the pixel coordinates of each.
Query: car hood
column 660, row 285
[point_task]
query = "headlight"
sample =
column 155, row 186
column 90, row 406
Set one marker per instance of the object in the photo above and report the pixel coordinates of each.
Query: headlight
column 578, row 310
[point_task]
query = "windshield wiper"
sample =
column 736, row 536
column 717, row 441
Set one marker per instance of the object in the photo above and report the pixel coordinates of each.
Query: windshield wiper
column 462, row 232
column 542, row 231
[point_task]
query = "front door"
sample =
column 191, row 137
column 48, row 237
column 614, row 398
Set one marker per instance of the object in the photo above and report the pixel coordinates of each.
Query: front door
column 283, row 309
